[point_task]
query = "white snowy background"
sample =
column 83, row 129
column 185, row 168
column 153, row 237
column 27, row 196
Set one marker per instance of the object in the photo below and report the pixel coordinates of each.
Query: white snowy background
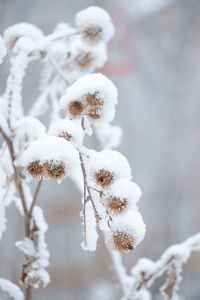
column 154, row 60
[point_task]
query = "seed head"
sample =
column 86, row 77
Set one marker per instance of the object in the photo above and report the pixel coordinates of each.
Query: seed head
column 35, row 169
column 75, row 108
column 83, row 60
column 104, row 178
column 54, row 170
column 116, row 205
column 122, row 242
column 92, row 34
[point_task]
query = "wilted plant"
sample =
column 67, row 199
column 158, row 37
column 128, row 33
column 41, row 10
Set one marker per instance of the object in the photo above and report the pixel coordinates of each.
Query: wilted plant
column 30, row 150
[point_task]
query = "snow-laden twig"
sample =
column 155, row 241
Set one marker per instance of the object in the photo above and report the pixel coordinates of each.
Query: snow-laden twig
column 172, row 260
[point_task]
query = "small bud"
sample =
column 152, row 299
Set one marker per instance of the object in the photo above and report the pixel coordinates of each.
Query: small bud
column 104, row 178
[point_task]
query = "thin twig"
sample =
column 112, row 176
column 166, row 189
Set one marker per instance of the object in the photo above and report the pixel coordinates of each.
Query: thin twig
column 16, row 172
column 35, row 197
column 85, row 198
column 58, row 69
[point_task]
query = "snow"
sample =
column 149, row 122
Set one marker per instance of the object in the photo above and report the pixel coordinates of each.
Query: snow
column 144, row 267
column 26, row 246
column 13, row 33
column 179, row 253
column 51, row 148
column 109, row 160
column 97, row 84
column 27, row 130
column 109, row 136
column 91, row 233
column 73, row 128
column 125, row 189
column 12, row 289
column 2, row 49
column 131, row 223
column 95, row 17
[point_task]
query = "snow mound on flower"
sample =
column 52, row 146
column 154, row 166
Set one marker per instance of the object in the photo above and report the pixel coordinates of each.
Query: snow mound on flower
column 26, row 131
column 97, row 84
column 96, row 17
column 13, row 33
column 126, row 189
column 50, row 148
column 112, row 161
column 73, row 128
column 130, row 223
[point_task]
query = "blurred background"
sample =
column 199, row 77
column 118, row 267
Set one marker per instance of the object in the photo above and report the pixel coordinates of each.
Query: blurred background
column 154, row 60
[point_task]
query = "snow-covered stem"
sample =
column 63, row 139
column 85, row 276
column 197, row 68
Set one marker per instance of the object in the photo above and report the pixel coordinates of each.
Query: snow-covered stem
column 144, row 275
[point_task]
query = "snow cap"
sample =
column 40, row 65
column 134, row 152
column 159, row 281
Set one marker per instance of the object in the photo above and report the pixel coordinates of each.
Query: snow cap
column 95, row 25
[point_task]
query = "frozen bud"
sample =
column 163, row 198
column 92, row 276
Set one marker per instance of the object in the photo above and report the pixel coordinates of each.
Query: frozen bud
column 26, row 131
column 95, row 25
column 2, row 49
column 69, row 130
column 49, row 158
column 126, row 232
column 122, row 195
column 107, row 166
column 93, row 96
column 13, row 33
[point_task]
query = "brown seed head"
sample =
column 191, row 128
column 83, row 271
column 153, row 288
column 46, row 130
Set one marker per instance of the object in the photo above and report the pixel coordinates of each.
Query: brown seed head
column 116, row 205
column 104, row 178
column 75, row 108
column 83, row 60
column 65, row 135
column 93, row 102
column 54, row 170
column 93, row 116
column 92, row 33
column 123, row 242
column 35, row 169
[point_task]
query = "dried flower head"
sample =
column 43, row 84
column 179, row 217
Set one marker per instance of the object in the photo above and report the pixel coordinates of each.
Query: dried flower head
column 50, row 158
column 92, row 33
column 54, row 170
column 84, row 59
column 35, row 169
column 95, row 25
column 104, row 178
column 106, row 167
column 75, row 108
column 122, row 242
column 126, row 231
column 116, row 205
column 92, row 94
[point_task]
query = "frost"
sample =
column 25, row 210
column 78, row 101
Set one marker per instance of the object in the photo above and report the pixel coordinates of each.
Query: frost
column 95, row 25
column 2, row 49
column 92, row 235
column 12, row 289
column 70, row 130
column 26, row 131
column 93, row 84
column 109, row 136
